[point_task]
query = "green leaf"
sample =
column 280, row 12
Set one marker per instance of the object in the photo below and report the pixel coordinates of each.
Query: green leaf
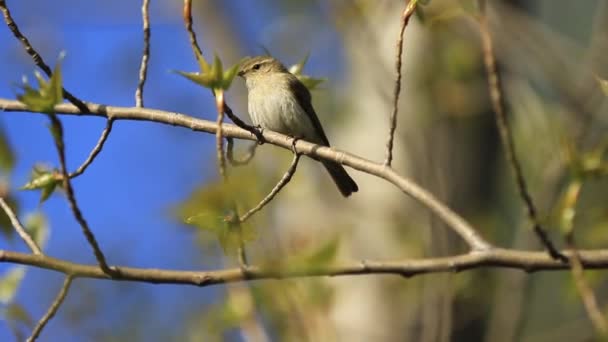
column 211, row 76
column 9, row 283
column 204, row 67
column 43, row 179
column 603, row 85
column 48, row 93
column 310, row 82
column 229, row 75
column 212, row 209
column 7, row 156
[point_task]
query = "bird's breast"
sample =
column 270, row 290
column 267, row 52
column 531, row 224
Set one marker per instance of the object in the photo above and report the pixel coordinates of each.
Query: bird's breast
column 277, row 109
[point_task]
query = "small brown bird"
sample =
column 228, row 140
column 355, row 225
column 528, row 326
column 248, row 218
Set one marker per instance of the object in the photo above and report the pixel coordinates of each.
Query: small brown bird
column 278, row 101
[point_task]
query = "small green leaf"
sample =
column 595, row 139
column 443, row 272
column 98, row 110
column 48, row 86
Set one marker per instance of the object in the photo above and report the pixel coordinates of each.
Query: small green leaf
column 9, row 283
column 229, row 75
column 204, row 67
column 211, row 76
column 310, row 82
column 43, row 179
column 217, row 70
column 48, row 93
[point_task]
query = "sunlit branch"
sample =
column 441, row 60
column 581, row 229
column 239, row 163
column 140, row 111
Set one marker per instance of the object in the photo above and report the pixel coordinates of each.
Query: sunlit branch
column 19, row 227
column 409, row 187
column 405, row 18
column 143, row 69
column 494, row 258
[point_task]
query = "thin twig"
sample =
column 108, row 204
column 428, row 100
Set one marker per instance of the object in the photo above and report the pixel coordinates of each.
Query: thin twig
column 242, row 161
column 98, row 147
column 506, row 136
column 19, row 228
column 10, row 22
column 143, row 69
column 284, row 180
column 187, row 12
column 405, row 18
column 588, row 297
column 457, row 223
column 69, row 191
column 52, row 309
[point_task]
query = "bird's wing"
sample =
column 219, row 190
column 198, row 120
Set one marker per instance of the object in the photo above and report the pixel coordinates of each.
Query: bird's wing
column 304, row 99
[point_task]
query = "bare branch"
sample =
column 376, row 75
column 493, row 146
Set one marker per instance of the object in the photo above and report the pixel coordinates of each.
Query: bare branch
column 69, row 191
column 409, row 187
column 282, row 182
column 493, row 258
column 143, row 69
column 52, row 309
column 98, row 147
column 405, row 18
column 245, row 159
column 506, row 136
column 35, row 55
column 187, row 12
column 19, row 228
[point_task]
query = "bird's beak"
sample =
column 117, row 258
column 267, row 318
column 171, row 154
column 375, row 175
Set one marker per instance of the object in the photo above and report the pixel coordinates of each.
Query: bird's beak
column 241, row 73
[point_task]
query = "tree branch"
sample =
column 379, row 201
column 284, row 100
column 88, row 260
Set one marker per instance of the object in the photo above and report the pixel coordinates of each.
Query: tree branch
column 143, row 69
column 10, row 22
column 501, row 258
column 95, row 151
column 405, row 18
column 19, row 228
column 282, row 182
column 52, row 309
column 506, row 136
column 71, row 196
column 452, row 219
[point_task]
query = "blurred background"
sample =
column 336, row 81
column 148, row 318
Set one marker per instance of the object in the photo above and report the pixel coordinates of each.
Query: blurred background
column 149, row 176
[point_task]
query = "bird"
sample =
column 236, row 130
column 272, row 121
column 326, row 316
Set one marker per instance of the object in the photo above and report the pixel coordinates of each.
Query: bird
column 277, row 100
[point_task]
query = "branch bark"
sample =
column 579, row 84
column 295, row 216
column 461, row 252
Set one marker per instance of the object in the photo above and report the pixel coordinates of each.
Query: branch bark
column 527, row 261
column 409, row 187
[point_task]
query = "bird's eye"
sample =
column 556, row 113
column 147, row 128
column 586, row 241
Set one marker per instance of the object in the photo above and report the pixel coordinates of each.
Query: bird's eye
column 256, row 67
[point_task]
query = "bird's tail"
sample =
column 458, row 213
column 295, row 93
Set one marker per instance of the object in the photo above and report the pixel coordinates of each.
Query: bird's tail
column 345, row 184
